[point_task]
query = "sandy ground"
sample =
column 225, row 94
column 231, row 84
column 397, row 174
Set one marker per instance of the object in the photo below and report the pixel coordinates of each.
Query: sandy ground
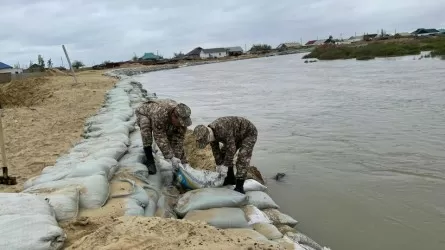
column 43, row 118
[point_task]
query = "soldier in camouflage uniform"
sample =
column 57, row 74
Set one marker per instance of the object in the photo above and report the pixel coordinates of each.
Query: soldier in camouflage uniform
column 166, row 122
column 235, row 133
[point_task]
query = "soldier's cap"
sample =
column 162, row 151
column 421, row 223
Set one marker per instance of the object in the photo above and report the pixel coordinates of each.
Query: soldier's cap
column 183, row 113
column 201, row 134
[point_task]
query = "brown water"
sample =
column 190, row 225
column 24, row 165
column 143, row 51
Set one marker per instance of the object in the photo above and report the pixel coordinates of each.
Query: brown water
column 362, row 142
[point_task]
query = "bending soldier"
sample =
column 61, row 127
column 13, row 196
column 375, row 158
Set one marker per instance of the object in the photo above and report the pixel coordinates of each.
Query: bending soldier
column 166, row 122
column 235, row 133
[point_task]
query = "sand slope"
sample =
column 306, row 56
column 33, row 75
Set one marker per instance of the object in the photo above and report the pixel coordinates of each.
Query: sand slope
column 43, row 117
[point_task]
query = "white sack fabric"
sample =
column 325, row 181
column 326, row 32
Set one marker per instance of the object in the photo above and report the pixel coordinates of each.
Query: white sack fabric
column 65, row 202
column 94, row 190
column 268, row 230
column 190, row 178
column 23, row 204
column 250, row 185
column 25, row 232
column 254, row 215
column 260, row 200
column 207, row 198
column 279, row 218
column 226, row 217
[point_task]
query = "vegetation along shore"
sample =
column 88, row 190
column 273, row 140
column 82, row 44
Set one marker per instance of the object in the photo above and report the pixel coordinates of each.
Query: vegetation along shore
column 385, row 48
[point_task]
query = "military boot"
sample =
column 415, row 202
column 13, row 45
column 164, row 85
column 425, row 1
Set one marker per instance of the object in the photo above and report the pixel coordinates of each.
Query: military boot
column 230, row 178
column 239, row 186
column 150, row 163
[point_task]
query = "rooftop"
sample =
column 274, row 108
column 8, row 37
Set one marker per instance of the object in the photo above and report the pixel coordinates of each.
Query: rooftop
column 4, row 66
column 214, row 50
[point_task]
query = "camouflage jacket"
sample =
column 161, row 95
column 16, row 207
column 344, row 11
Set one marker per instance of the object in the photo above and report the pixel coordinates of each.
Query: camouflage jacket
column 154, row 117
column 230, row 131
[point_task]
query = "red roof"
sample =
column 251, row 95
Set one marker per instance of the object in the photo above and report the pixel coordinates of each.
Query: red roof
column 310, row 42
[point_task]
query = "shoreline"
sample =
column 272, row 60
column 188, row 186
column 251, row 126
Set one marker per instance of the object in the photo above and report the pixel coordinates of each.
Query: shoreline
column 91, row 220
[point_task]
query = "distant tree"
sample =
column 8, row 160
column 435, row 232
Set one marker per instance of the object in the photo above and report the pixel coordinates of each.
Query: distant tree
column 105, row 62
column 49, row 63
column 178, row 55
column 30, row 64
column 17, row 66
column 135, row 58
column 260, row 48
column 77, row 64
column 40, row 61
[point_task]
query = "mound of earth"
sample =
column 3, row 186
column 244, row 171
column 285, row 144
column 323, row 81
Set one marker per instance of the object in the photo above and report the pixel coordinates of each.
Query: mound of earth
column 130, row 232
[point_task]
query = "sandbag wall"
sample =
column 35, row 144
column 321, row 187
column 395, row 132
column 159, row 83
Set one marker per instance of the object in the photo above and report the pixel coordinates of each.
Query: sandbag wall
column 220, row 207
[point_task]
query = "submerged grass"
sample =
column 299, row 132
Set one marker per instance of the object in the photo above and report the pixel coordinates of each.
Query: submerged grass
column 380, row 49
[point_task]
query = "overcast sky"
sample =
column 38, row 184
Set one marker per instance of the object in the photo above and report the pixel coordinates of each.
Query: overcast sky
column 98, row 30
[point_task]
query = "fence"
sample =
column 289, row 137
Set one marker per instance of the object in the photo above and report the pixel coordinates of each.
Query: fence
column 7, row 77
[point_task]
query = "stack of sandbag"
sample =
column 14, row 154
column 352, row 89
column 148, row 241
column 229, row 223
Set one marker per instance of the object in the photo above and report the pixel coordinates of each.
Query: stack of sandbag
column 28, row 222
column 80, row 179
column 255, row 211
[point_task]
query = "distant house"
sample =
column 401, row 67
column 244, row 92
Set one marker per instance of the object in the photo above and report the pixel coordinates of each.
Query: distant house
column 213, row 53
column 235, row 51
column 369, row 37
column 320, row 42
column 150, row 57
column 194, row 54
column 286, row 46
column 403, row 34
column 5, row 68
column 425, row 32
column 310, row 43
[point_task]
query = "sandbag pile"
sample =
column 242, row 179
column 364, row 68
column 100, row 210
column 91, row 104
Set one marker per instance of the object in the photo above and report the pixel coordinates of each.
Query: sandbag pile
column 28, row 222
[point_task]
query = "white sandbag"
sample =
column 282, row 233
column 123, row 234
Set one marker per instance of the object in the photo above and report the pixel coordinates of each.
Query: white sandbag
column 162, row 164
column 163, row 208
column 250, row 185
column 119, row 129
column 25, row 232
column 94, row 190
column 107, row 165
column 260, row 200
column 114, row 141
column 106, row 118
column 226, row 217
column 268, row 230
column 65, row 202
column 254, row 215
column 190, row 178
column 279, row 218
column 115, row 153
column 303, row 239
column 289, row 244
column 132, row 158
column 109, row 126
column 23, row 204
column 207, row 198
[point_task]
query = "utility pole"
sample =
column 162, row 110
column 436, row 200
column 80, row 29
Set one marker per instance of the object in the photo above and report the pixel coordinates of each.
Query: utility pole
column 69, row 63
column 61, row 59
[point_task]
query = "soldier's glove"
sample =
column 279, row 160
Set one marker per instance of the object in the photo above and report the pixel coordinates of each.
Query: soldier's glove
column 222, row 170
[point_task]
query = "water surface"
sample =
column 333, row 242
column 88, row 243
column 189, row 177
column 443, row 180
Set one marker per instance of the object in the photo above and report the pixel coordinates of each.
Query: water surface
column 362, row 142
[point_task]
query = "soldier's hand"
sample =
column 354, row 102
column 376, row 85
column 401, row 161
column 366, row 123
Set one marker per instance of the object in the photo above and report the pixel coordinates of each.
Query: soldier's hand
column 175, row 163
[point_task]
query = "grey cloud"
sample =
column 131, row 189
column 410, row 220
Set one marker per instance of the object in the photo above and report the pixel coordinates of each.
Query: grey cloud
column 94, row 31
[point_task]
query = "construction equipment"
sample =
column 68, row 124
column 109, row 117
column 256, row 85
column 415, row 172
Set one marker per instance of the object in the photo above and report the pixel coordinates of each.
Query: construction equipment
column 5, row 179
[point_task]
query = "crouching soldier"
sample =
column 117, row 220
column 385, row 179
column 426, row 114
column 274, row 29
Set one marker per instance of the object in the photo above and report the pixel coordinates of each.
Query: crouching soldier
column 166, row 122
column 235, row 133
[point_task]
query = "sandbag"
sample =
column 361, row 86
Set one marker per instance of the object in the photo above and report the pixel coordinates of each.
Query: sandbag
column 23, row 204
column 94, row 190
column 279, row 218
column 207, row 198
column 109, row 141
column 109, row 126
column 254, row 215
column 25, row 232
column 289, row 244
column 163, row 208
column 250, row 185
column 65, row 202
column 303, row 239
column 260, row 200
column 190, row 178
column 107, row 165
column 226, row 217
column 268, row 230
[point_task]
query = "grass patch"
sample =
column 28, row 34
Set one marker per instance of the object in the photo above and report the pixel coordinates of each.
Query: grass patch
column 380, row 49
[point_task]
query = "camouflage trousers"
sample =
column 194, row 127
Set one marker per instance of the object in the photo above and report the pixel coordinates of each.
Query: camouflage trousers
column 245, row 150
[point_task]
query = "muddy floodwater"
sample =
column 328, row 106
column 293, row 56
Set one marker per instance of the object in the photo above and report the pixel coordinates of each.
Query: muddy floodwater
column 362, row 143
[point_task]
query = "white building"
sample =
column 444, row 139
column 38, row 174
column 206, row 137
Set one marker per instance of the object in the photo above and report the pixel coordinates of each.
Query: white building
column 5, row 68
column 213, row 53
